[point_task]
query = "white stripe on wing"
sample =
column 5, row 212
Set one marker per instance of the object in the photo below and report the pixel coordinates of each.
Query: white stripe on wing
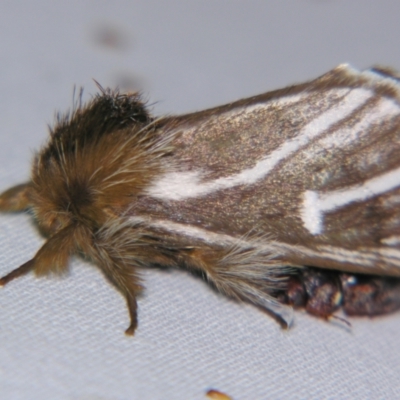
column 315, row 204
column 188, row 184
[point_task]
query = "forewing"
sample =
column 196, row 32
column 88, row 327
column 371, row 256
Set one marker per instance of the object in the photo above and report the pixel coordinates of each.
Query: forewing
column 314, row 169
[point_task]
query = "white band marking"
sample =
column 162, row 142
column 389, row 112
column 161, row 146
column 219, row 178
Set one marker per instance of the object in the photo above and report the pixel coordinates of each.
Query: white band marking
column 315, row 204
column 182, row 185
column 391, row 241
column 381, row 112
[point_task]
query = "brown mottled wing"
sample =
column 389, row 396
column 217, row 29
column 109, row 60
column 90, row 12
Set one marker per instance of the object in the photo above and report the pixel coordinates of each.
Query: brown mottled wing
column 313, row 169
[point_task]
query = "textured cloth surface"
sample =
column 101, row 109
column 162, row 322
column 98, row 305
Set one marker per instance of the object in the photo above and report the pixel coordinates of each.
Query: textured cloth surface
column 62, row 338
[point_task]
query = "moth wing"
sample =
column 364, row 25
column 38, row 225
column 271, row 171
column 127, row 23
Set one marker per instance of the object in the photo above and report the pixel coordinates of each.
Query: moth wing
column 315, row 168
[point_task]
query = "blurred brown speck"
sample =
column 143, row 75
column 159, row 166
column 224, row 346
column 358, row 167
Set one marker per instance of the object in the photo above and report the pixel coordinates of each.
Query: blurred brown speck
column 217, row 395
column 110, row 37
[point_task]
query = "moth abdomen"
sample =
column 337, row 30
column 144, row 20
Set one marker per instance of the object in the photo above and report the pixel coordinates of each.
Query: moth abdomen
column 322, row 292
column 370, row 295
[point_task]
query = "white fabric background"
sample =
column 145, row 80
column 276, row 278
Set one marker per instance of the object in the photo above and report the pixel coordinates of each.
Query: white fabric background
column 63, row 338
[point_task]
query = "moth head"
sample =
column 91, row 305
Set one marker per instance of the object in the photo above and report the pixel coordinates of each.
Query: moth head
column 89, row 164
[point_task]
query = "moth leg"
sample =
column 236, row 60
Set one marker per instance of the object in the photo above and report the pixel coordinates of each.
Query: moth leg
column 15, row 198
column 128, row 284
column 130, row 287
column 16, row 273
column 132, row 308
column 245, row 274
column 51, row 257
column 124, row 278
column 112, row 250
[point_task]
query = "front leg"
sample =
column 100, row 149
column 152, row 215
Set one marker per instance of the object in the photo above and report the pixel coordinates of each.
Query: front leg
column 113, row 252
column 124, row 278
column 132, row 307
column 18, row 272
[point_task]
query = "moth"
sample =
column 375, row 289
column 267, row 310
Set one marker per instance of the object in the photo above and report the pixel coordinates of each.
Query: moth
column 289, row 198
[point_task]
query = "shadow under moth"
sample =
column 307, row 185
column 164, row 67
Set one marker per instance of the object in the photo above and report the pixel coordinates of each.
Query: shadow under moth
column 289, row 198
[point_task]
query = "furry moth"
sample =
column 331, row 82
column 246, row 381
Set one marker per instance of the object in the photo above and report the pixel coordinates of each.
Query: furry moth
column 289, row 197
